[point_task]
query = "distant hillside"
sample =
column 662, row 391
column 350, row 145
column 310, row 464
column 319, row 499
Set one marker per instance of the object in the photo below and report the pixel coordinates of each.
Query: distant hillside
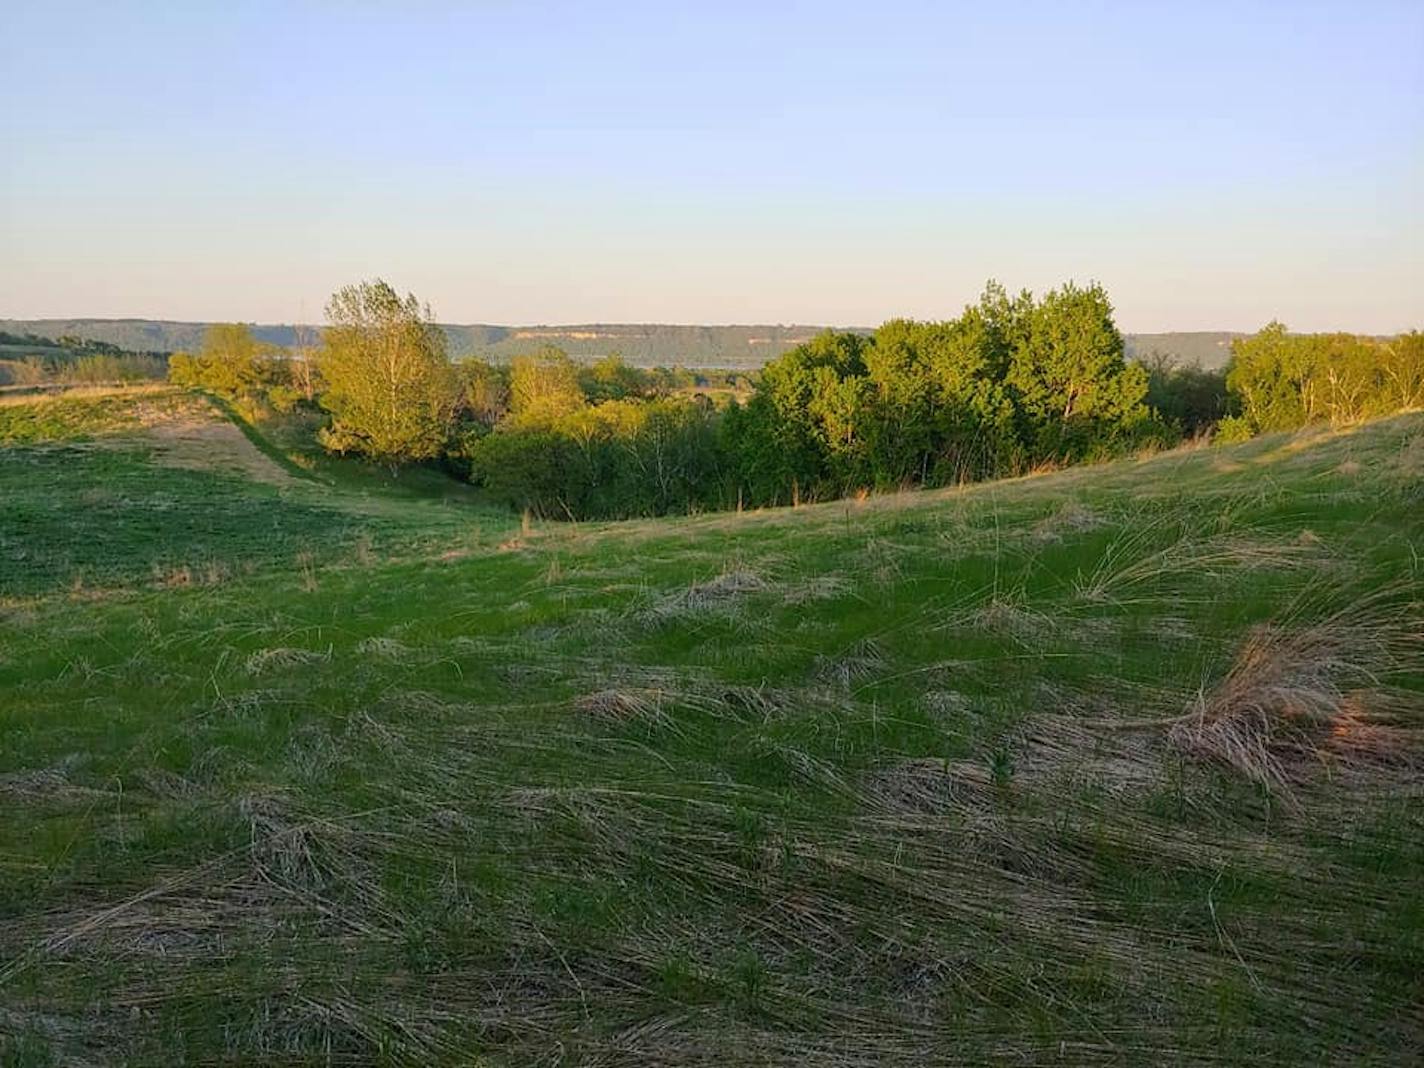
column 646, row 344
column 1205, row 348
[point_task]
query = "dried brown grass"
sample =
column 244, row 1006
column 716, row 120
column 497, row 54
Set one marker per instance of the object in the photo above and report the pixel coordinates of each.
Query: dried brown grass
column 1301, row 696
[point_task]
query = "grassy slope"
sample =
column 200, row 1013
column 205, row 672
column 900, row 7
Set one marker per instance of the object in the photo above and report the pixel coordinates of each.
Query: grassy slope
column 855, row 784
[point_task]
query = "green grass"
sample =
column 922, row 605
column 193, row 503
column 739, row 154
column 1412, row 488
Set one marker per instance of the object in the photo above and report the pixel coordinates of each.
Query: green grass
column 889, row 782
column 87, row 508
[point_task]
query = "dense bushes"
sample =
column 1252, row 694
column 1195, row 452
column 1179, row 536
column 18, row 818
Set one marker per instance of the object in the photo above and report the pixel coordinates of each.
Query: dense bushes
column 1011, row 383
column 578, row 442
column 615, row 459
column 1189, row 398
column 29, row 360
column 1280, row 380
column 234, row 364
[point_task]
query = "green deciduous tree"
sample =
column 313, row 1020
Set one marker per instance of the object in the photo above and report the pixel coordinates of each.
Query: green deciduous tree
column 1281, row 380
column 544, row 387
column 1072, row 386
column 391, row 392
column 613, row 378
column 1402, row 372
column 232, row 362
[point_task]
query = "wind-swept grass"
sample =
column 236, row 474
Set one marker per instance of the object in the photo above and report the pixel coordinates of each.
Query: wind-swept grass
column 957, row 777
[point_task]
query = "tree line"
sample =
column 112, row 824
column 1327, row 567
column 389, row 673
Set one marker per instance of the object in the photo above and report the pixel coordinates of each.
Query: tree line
column 30, row 360
column 1279, row 381
column 1015, row 383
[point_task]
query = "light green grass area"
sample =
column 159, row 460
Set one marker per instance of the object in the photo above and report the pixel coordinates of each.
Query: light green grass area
column 1116, row 765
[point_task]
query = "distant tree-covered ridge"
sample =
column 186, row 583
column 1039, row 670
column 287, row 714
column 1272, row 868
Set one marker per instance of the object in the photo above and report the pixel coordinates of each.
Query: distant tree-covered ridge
column 641, row 344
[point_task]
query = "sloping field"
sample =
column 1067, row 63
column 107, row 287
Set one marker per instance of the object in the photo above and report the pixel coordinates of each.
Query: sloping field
column 107, row 491
column 1119, row 765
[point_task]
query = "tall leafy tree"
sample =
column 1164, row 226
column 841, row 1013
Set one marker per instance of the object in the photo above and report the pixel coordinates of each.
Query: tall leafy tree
column 1268, row 375
column 803, row 431
column 1070, row 379
column 485, row 391
column 390, row 389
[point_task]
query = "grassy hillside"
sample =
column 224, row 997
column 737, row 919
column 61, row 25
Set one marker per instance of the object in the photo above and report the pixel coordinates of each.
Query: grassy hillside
column 644, row 344
column 1115, row 765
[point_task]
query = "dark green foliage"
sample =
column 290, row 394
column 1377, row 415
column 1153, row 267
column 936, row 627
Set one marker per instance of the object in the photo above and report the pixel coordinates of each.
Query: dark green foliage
column 524, row 468
column 1189, row 398
column 1075, row 394
column 1009, row 384
column 613, row 378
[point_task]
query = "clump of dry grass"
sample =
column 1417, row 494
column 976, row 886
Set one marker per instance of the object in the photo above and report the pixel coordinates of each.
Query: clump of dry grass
column 727, row 585
column 1009, row 616
column 1073, row 517
column 947, row 702
column 390, row 649
column 817, row 588
column 863, row 659
column 53, row 782
column 1063, row 753
column 760, row 702
column 719, row 595
column 927, row 786
column 1299, row 696
column 281, row 658
column 623, row 705
column 284, row 849
column 1122, row 572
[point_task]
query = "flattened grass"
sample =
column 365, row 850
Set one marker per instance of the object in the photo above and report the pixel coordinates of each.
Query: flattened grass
column 862, row 783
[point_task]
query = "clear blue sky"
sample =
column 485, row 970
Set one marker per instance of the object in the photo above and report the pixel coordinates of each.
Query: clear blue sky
column 1214, row 165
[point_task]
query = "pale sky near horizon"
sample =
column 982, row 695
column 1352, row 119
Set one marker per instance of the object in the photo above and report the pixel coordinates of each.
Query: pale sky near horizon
column 1213, row 165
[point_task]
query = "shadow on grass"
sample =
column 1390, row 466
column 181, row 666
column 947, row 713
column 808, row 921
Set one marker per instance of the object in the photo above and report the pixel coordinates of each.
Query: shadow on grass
column 252, row 434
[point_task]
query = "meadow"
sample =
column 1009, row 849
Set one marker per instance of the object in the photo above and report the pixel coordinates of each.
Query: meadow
column 305, row 764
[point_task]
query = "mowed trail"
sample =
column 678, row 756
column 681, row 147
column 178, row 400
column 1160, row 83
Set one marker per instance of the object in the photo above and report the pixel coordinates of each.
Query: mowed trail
column 213, row 443
column 183, row 430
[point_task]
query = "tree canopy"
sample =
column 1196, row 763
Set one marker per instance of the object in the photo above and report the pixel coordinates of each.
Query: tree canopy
column 390, row 389
column 1012, row 383
column 1281, row 380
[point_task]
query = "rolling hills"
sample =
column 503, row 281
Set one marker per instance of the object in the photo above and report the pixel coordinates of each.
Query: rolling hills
column 1113, row 765
column 643, row 344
